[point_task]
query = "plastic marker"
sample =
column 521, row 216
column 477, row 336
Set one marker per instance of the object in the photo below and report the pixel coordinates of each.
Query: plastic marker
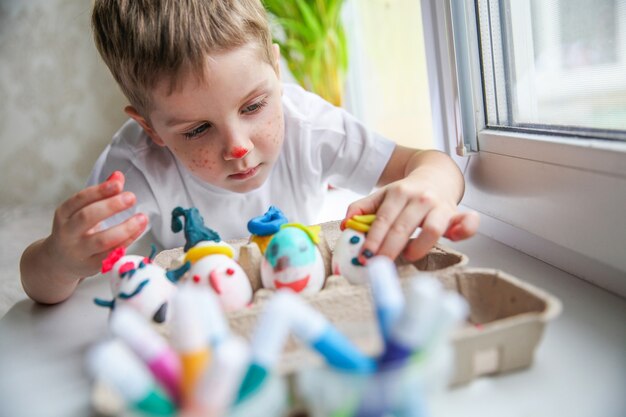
column 150, row 346
column 429, row 316
column 287, row 312
column 386, row 291
column 189, row 339
column 114, row 363
column 210, row 312
column 217, row 389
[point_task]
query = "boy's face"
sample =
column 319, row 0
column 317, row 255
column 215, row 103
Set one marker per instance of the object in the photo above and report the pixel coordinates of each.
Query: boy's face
column 228, row 130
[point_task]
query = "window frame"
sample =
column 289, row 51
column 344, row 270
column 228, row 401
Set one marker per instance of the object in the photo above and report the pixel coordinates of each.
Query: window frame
column 557, row 162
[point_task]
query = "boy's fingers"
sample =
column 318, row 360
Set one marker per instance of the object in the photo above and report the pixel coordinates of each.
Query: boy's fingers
column 401, row 229
column 115, row 236
column 102, row 255
column 86, row 219
column 433, row 227
column 366, row 205
column 463, row 226
column 113, row 185
column 386, row 222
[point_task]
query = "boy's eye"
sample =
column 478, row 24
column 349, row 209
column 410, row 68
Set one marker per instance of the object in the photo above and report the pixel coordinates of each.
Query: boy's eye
column 197, row 131
column 252, row 108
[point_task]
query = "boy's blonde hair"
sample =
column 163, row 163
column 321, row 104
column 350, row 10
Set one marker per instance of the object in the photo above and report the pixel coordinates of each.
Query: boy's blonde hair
column 144, row 41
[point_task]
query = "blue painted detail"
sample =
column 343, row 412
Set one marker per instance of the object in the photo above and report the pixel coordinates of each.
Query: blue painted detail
column 105, row 303
column 355, row 261
column 128, row 273
column 140, row 287
column 153, row 252
column 195, row 230
column 293, row 244
column 340, row 353
column 175, row 274
column 267, row 224
column 355, row 239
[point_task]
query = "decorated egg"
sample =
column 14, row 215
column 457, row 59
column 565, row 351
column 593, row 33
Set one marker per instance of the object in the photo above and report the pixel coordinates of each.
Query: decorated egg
column 226, row 278
column 213, row 262
column 292, row 260
column 140, row 284
column 345, row 260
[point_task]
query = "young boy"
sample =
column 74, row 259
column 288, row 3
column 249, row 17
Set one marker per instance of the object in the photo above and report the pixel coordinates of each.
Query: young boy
column 211, row 126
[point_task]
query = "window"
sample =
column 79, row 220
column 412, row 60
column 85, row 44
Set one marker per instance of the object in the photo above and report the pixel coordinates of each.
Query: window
column 557, row 66
column 532, row 93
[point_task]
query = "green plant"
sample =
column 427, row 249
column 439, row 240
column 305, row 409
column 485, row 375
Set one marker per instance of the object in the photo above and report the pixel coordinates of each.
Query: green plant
column 313, row 43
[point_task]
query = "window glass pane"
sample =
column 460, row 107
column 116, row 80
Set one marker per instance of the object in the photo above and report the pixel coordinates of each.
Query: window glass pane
column 563, row 64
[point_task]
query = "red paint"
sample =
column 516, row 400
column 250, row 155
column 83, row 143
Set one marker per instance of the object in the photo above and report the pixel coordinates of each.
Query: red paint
column 239, row 152
column 296, row 286
column 126, row 267
column 116, row 175
column 112, row 258
column 230, row 271
column 196, row 278
column 147, row 260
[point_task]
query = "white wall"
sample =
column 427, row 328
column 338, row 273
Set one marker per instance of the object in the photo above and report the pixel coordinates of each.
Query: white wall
column 59, row 106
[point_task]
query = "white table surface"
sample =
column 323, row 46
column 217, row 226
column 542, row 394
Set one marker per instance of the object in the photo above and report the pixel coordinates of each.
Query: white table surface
column 579, row 368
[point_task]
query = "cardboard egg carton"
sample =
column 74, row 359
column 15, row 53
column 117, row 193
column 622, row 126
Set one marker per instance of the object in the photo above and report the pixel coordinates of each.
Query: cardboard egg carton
column 506, row 322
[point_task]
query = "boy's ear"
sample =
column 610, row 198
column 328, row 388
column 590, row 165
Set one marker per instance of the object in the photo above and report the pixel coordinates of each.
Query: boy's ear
column 276, row 50
column 134, row 114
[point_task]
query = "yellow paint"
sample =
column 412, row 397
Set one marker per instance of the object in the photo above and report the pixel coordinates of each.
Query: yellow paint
column 198, row 252
column 312, row 231
column 261, row 241
column 361, row 222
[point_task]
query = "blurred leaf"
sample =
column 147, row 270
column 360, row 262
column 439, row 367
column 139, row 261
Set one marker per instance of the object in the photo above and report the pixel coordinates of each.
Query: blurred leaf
column 314, row 44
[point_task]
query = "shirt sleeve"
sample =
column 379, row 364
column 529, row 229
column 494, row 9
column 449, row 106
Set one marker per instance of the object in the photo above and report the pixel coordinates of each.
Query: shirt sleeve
column 343, row 152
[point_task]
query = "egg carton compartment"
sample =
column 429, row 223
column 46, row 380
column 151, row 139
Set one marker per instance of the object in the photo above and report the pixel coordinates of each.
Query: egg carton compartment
column 507, row 319
column 439, row 258
column 506, row 322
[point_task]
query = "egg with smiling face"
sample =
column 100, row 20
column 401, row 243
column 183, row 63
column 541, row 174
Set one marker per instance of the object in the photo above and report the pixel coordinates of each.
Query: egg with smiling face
column 139, row 284
column 345, row 260
column 226, row 278
column 292, row 260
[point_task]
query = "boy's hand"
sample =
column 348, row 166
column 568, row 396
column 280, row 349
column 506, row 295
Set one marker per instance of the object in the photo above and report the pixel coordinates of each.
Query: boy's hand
column 77, row 245
column 403, row 206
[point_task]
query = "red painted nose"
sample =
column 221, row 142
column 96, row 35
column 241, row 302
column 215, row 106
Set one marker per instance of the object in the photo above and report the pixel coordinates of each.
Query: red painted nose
column 239, row 152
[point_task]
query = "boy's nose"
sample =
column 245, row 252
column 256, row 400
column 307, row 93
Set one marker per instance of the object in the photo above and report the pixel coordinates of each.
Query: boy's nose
column 237, row 152
column 237, row 149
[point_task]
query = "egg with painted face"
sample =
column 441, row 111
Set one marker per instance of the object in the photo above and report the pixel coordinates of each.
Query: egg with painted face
column 139, row 284
column 292, row 260
column 225, row 277
column 345, row 260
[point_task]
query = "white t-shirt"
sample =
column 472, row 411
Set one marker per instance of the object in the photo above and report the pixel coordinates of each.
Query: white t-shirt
column 323, row 144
